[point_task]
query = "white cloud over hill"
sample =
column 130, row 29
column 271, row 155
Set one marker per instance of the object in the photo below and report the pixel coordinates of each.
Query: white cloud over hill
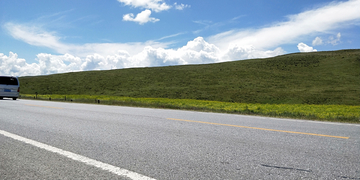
column 305, row 48
column 226, row 46
column 197, row 51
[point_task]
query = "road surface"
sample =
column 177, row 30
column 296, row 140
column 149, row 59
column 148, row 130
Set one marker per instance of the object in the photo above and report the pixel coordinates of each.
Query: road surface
column 56, row 140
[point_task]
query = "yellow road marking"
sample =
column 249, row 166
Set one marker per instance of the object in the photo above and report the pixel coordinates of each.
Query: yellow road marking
column 264, row 129
column 43, row 106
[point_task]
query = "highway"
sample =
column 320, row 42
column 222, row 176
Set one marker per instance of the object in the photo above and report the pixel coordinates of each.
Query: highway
column 57, row 140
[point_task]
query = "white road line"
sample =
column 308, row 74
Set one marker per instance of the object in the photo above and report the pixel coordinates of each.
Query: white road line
column 76, row 157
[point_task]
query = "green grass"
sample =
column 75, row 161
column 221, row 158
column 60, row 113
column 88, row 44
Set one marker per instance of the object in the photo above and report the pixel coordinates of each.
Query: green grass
column 301, row 78
column 340, row 113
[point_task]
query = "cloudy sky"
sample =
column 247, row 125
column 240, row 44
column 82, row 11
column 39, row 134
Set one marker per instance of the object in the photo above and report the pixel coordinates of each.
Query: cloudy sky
column 40, row 37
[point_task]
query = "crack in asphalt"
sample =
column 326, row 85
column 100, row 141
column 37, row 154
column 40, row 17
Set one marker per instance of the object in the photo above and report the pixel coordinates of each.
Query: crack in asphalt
column 345, row 177
column 290, row 168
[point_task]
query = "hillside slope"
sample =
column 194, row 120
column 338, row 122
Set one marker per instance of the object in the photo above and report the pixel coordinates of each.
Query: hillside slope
column 300, row 78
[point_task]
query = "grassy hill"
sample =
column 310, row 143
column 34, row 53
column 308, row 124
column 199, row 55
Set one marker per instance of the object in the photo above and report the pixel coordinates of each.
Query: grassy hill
column 300, row 78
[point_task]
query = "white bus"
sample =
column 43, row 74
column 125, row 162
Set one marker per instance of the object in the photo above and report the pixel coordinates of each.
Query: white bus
column 9, row 87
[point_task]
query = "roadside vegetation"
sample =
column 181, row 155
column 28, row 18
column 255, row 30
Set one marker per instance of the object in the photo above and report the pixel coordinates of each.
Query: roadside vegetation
column 320, row 85
column 340, row 113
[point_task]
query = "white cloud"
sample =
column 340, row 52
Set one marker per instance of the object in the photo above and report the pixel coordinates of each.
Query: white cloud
column 317, row 41
column 197, row 51
column 319, row 20
column 170, row 36
column 14, row 66
column 51, row 64
column 331, row 40
column 236, row 52
column 334, row 41
column 144, row 16
column 36, row 36
column 140, row 18
column 39, row 37
column 226, row 46
column 181, row 6
column 305, row 48
column 155, row 5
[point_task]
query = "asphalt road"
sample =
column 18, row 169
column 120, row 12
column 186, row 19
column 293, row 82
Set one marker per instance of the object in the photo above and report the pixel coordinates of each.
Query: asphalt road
column 53, row 140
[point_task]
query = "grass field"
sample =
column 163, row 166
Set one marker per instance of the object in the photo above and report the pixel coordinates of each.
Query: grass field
column 340, row 113
column 302, row 78
column 319, row 78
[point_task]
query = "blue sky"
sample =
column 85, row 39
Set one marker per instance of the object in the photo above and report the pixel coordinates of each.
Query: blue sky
column 41, row 37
